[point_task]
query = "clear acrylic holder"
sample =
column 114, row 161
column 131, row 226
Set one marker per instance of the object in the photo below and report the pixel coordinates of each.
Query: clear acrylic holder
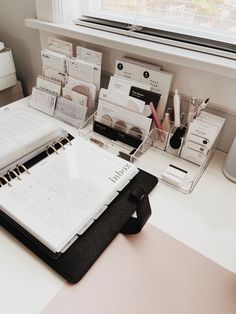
column 153, row 155
column 116, row 147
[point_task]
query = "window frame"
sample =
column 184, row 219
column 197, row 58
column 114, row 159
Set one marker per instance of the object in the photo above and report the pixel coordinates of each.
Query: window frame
column 189, row 40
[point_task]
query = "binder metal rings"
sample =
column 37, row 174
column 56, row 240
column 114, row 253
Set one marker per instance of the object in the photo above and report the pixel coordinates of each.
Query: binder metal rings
column 2, row 178
column 19, row 168
column 10, row 172
column 48, row 147
column 67, row 140
column 13, row 174
column 59, row 143
column 53, row 148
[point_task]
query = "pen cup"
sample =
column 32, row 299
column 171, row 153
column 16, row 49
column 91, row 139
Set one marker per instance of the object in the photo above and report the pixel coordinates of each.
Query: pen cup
column 159, row 138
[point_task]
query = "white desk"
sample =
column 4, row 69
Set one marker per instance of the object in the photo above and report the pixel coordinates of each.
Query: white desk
column 205, row 220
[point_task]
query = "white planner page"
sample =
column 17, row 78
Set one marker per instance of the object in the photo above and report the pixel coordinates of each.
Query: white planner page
column 64, row 192
column 21, row 132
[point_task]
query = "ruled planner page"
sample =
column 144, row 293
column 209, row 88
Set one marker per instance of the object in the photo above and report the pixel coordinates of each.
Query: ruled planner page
column 64, row 192
column 21, row 132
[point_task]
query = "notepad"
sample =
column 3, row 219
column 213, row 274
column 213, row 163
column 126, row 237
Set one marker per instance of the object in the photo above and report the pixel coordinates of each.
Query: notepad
column 65, row 192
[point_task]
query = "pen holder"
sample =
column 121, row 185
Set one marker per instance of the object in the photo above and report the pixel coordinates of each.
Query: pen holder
column 170, row 142
column 159, row 138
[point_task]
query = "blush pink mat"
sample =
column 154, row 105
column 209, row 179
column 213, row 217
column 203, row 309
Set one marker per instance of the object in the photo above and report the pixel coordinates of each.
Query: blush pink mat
column 149, row 273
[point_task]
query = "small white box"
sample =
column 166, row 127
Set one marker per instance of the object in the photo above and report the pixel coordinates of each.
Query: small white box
column 174, row 175
column 7, row 69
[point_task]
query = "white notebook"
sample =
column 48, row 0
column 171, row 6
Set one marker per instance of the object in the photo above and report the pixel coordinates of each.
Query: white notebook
column 65, row 192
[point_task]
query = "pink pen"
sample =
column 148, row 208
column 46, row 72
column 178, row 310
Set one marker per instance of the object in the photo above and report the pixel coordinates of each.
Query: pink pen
column 157, row 121
column 155, row 116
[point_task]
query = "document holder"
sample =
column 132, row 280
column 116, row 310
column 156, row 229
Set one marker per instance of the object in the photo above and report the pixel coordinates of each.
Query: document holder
column 81, row 255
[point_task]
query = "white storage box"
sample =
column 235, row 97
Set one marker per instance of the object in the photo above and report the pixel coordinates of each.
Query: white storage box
column 7, row 69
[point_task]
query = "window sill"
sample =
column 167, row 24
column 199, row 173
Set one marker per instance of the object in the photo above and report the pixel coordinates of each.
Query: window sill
column 161, row 52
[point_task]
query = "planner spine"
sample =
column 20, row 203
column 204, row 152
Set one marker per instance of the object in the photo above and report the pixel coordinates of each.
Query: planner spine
column 20, row 168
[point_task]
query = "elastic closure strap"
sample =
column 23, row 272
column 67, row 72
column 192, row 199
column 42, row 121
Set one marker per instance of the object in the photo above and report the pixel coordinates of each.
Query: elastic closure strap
column 143, row 211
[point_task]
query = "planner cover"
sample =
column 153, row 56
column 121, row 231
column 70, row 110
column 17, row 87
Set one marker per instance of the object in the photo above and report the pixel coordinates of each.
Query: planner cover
column 76, row 259
column 82, row 254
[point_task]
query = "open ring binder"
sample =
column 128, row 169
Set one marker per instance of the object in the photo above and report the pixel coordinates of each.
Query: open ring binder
column 75, row 261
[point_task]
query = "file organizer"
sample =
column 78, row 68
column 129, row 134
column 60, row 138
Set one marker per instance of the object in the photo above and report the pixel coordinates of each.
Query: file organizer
column 119, row 141
column 60, row 108
column 81, row 255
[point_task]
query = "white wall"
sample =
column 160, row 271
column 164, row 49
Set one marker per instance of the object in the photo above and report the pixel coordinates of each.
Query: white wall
column 24, row 42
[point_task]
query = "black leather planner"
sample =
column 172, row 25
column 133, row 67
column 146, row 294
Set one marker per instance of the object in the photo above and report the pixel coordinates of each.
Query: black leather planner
column 80, row 256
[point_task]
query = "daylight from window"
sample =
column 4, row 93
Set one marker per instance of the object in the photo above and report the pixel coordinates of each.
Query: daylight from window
column 213, row 16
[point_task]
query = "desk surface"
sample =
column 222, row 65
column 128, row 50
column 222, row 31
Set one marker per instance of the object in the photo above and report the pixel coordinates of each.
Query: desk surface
column 204, row 220
column 149, row 273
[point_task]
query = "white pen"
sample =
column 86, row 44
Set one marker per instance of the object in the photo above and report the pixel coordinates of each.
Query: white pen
column 177, row 108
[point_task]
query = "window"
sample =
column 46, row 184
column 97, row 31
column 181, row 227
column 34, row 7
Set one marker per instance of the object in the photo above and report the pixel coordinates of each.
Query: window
column 198, row 23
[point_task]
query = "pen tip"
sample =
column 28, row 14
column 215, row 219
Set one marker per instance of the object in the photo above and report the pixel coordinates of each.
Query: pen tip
column 206, row 101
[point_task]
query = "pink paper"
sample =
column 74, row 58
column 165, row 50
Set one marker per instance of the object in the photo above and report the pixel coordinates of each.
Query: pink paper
column 149, row 273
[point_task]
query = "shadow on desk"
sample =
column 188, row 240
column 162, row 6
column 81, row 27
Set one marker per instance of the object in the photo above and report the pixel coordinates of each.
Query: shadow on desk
column 149, row 273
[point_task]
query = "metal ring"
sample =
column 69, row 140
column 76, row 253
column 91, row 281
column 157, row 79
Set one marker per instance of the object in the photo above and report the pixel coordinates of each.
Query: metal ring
column 18, row 167
column 52, row 147
column 15, row 173
column 6, row 181
column 60, row 143
column 66, row 139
